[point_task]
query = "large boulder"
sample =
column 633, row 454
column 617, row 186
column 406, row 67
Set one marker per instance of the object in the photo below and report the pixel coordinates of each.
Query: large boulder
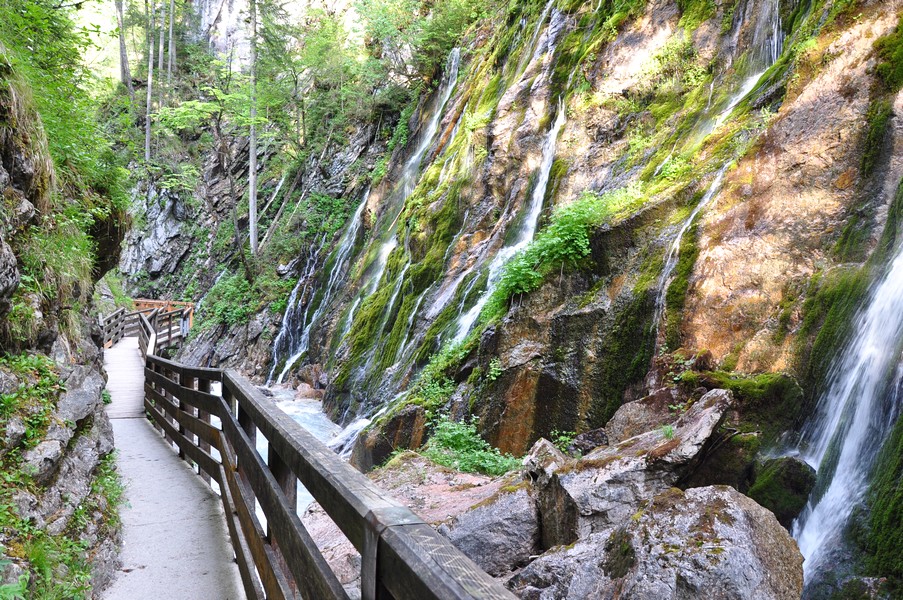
column 499, row 534
column 710, row 543
column 605, row 487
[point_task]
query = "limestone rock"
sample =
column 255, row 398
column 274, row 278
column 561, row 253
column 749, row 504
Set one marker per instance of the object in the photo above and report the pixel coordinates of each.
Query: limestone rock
column 9, row 276
column 498, row 534
column 42, row 460
column 588, row 441
column 709, row 543
column 640, row 416
column 606, row 487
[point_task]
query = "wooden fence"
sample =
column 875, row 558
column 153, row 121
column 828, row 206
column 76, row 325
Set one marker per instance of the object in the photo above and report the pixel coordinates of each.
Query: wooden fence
column 401, row 556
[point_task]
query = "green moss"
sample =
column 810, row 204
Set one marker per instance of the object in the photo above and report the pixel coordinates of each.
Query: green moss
column 626, row 349
column 852, row 245
column 828, row 312
column 890, row 51
column 885, row 538
column 620, row 556
column 769, row 403
column 782, row 486
column 878, row 118
column 676, row 295
column 695, row 12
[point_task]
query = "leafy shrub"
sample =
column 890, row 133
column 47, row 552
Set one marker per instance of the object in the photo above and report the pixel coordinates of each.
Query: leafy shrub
column 230, row 302
column 459, row 446
column 564, row 241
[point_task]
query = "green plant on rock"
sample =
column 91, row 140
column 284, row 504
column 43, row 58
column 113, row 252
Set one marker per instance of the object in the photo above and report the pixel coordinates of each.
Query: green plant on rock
column 890, row 51
column 565, row 241
column 459, row 446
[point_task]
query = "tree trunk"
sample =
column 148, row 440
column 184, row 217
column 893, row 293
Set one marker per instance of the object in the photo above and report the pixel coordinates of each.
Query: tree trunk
column 252, row 175
column 162, row 41
column 150, row 81
column 172, row 46
column 125, row 73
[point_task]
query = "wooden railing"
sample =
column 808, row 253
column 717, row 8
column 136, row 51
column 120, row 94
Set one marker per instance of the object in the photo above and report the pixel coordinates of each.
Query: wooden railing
column 401, row 556
column 171, row 326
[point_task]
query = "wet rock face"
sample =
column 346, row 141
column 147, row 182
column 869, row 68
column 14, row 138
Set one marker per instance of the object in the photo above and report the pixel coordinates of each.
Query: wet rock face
column 780, row 213
column 708, row 543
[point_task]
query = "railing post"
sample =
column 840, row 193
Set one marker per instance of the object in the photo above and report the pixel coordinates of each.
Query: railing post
column 203, row 415
column 189, row 383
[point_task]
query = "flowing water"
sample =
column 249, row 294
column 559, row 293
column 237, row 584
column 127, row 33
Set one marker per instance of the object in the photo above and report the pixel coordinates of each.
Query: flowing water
column 293, row 339
column 673, row 254
column 853, row 418
column 525, row 232
column 294, row 335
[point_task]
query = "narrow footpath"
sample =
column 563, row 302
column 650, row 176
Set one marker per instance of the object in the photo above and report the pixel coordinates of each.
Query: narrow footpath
column 175, row 542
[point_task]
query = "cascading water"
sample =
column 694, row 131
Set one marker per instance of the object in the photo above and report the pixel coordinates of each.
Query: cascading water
column 287, row 341
column 294, row 335
column 767, row 45
column 852, row 420
column 408, row 181
column 673, row 254
column 526, row 231
column 766, row 48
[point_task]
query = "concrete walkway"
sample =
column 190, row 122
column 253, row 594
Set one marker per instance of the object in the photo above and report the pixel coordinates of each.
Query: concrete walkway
column 175, row 542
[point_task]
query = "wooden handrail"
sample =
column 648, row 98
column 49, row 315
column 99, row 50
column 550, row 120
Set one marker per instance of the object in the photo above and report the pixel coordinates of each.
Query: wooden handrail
column 402, row 557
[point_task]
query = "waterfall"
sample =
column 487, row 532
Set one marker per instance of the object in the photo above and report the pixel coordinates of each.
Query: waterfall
column 673, row 254
column 526, row 231
column 297, row 319
column 767, row 45
column 853, row 418
column 408, row 181
column 532, row 50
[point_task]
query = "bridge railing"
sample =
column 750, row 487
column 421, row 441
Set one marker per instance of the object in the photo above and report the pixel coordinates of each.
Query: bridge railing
column 171, row 326
column 401, row 556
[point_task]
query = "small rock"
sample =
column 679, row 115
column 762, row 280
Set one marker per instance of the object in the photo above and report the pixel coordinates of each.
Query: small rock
column 587, row 442
column 15, row 432
column 542, row 460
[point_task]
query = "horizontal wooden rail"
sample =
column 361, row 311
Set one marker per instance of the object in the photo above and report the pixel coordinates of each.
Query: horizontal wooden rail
column 402, row 557
column 171, row 326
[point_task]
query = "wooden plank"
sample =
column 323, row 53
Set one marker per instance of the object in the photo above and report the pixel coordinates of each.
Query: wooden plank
column 274, row 581
column 246, row 569
column 312, row 573
column 202, row 400
column 196, row 372
column 417, row 563
column 205, row 431
column 204, row 460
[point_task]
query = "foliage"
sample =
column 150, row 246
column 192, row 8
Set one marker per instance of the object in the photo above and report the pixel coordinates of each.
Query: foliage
column 562, row 439
column 565, row 241
column 695, row 12
column 459, row 446
column 231, row 301
column 668, row 432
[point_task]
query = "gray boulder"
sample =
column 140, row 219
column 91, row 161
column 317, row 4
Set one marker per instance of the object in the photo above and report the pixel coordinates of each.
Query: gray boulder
column 709, row 543
column 499, row 534
column 605, row 487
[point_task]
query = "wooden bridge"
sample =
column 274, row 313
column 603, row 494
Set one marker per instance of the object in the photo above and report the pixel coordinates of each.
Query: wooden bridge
column 211, row 419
